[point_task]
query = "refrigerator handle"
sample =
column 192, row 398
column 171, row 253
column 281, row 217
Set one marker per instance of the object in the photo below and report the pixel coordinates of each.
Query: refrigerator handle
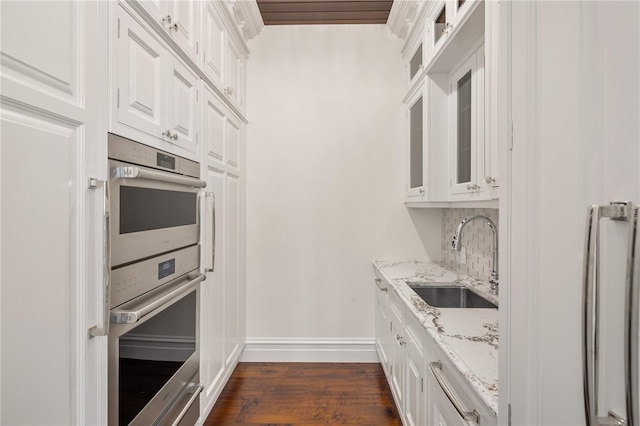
column 632, row 316
column 619, row 211
column 590, row 316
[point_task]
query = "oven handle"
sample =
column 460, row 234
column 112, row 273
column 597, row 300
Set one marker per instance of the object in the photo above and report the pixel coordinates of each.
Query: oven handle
column 131, row 313
column 213, row 231
column 106, row 263
column 196, row 389
column 130, row 172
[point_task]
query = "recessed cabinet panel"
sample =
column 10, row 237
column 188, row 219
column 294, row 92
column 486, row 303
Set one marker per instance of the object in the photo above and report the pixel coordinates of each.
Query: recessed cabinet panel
column 213, row 125
column 140, row 78
column 235, row 77
column 416, row 145
column 233, row 142
column 39, row 54
column 213, row 51
column 184, row 14
column 182, row 105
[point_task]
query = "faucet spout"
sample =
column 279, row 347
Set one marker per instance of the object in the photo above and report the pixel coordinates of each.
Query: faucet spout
column 456, row 245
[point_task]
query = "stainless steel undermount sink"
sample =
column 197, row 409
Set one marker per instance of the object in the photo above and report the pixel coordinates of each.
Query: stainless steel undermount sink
column 451, row 297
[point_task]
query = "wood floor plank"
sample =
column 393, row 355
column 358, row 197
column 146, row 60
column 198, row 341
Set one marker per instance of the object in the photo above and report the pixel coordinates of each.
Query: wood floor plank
column 305, row 394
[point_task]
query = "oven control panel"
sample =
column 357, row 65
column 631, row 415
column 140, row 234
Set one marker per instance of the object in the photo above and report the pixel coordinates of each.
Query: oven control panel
column 129, row 282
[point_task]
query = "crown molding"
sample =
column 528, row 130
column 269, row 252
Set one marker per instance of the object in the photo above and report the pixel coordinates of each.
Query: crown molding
column 248, row 17
column 401, row 17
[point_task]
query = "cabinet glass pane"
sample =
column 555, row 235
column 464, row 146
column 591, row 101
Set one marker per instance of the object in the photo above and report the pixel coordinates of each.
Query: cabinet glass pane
column 415, row 137
column 460, row 3
column 464, row 129
column 440, row 24
column 416, row 62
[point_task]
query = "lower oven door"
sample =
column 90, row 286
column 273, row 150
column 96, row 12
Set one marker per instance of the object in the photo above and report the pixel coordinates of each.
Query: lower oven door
column 152, row 212
column 154, row 355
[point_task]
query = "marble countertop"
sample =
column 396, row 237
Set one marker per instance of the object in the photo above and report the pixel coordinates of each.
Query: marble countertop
column 468, row 336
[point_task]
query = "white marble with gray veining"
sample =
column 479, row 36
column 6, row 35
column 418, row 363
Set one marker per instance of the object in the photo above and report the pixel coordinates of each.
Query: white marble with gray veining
column 468, row 336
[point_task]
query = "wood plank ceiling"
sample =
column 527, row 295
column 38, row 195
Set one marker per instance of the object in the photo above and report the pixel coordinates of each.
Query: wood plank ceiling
column 308, row 12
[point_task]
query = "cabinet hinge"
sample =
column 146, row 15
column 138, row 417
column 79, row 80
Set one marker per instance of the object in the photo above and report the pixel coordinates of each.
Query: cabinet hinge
column 509, row 415
column 390, row 326
column 118, row 101
column 422, row 384
column 196, row 137
column 118, row 27
column 204, row 56
column 511, row 136
column 197, row 47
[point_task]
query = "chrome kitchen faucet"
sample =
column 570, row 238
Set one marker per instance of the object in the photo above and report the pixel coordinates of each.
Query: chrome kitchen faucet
column 456, row 245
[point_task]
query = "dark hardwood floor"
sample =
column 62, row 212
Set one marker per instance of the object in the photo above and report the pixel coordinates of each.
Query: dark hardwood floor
column 305, row 394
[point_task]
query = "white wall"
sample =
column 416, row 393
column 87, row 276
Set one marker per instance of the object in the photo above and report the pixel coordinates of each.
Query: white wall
column 324, row 182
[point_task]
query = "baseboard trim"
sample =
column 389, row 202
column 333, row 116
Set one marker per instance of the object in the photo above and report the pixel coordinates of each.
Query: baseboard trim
column 309, row 350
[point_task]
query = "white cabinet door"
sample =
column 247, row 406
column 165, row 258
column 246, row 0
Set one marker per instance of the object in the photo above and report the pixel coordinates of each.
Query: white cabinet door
column 414, row 399
column 466, row 145
column 383, row 330
column 182, row 87
column 184, row 27
column 213, row 45
column 141, row 78
column 397, row 358
column 235, row 77
column 233, row 140
column 232, row 285
column 213, row 323
column 441, row 410
column 214, row 118
column 51, row 142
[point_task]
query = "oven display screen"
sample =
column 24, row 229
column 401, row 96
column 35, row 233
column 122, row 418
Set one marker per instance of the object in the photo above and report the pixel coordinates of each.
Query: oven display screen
column 166, row 161
column 166, row 268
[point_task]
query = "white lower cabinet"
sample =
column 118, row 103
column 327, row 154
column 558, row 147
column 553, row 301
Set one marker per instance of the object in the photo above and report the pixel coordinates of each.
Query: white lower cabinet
column 410, row 356
column 223, row 299
column 52, row 140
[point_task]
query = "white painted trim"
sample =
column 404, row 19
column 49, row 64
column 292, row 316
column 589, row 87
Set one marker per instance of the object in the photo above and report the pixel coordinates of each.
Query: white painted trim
column 309, row 350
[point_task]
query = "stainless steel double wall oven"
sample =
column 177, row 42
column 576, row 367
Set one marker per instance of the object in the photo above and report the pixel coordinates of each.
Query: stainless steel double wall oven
column 155, row 280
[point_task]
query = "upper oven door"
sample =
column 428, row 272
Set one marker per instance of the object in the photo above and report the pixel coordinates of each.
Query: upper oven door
column 152, row 212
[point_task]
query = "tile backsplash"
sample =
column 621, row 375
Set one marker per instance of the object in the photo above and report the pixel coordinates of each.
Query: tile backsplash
column 476, row 238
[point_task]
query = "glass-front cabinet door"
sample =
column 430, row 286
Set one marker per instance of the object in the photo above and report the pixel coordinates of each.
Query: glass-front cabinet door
column 416, row 185
column 466, row 119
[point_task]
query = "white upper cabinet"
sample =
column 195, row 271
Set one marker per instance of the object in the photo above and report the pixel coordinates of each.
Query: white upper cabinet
column 466, row 112
column 180, row 19
column 235, row 75
column 156, row 94
column 213, row 44
column 417, row 170
column 140, row 77
column 182, row 100
column 223, row 61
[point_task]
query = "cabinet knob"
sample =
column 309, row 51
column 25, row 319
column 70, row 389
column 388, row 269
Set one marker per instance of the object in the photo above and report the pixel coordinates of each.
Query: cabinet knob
column 168, row 20
column 472, row 187
column 174, row 136
column 489, row 180
column 421, row 190
column 167, row 133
